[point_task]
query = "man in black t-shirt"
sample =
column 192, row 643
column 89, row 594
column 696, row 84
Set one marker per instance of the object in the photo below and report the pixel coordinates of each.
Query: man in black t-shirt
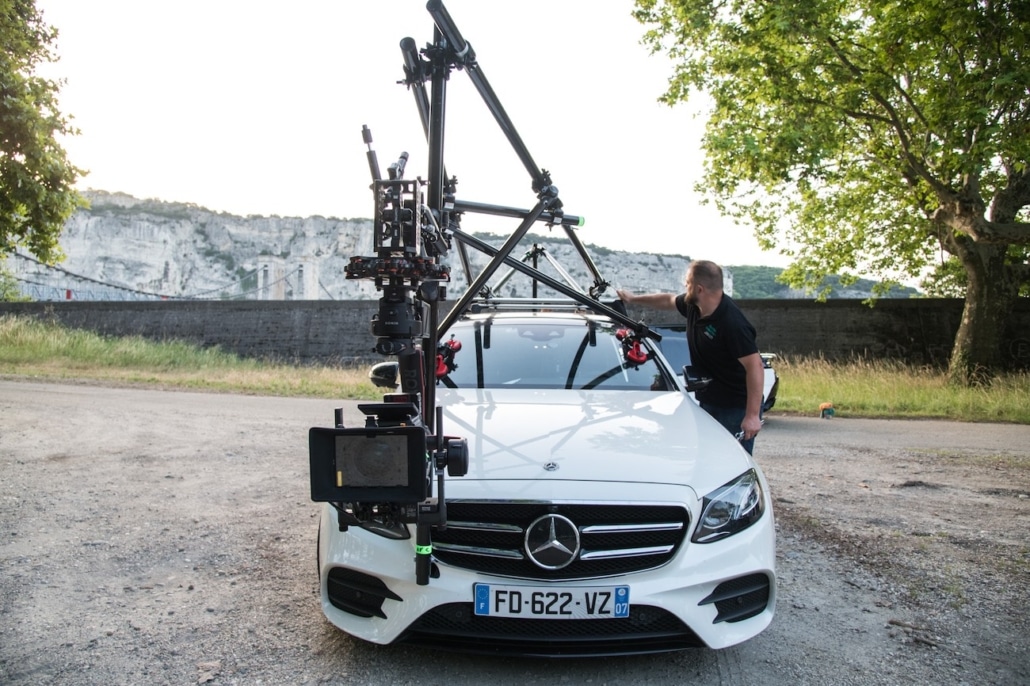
column 722, row 347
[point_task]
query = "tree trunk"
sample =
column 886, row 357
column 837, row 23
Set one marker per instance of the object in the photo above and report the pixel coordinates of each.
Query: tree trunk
column 990, row 296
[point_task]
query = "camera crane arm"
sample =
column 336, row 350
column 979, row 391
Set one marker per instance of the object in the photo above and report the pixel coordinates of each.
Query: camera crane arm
column 458, row 53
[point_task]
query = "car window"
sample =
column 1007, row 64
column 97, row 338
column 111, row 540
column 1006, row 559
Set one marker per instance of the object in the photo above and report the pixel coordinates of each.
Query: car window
column 548, row 354
column 674, row 346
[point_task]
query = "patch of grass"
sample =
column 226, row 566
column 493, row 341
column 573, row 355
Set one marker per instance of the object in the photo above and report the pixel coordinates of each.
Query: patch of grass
column 37, row 349
column 872, row 388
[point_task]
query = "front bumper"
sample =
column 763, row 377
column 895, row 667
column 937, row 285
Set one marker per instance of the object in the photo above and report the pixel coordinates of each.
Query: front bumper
column 713, row 595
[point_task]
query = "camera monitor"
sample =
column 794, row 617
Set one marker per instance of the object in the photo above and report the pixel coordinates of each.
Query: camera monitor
column 379, row 464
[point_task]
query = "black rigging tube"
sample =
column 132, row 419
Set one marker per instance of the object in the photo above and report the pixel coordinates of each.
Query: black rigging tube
column 429, row 354
column 440, row 69
column 414, row 77
column 467, row 56
column 566, row 220
column 500, row 256
column 599, row 284
column 541, row 179
column 370, row 155
column 437, row 181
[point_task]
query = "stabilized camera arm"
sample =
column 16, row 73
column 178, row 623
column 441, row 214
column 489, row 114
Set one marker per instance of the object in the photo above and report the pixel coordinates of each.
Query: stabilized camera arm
column 381, row 475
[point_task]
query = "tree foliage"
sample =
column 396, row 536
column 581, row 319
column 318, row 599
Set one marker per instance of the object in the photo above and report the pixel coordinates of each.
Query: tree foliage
column 9, row 291
column 36, row 178
column 876, row 136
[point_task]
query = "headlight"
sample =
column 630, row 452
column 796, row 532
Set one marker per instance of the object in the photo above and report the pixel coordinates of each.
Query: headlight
column 730, row 508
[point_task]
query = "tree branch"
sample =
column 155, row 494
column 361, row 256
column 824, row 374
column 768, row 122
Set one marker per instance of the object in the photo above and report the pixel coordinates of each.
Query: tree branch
column 895, row 123
column 1014, row 197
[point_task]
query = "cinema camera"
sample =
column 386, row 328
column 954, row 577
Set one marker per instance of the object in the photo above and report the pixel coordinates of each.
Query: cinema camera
column 380, row 476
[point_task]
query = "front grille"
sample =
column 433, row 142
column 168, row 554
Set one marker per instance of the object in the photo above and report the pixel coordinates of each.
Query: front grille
column 739, row 599
column 489, row 537
column 455, row 627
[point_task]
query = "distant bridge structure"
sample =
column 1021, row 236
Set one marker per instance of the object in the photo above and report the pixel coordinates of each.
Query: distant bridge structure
column 46, row 283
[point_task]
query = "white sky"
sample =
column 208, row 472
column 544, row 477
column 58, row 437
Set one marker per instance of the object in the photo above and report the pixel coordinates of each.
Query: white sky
column 256, row 107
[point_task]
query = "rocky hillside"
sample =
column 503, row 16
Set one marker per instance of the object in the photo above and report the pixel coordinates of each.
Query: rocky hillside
column 146, row 248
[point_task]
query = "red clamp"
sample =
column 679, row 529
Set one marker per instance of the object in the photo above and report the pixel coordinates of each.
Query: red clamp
column 631, row 346
column 635, row 354
column 445, row 357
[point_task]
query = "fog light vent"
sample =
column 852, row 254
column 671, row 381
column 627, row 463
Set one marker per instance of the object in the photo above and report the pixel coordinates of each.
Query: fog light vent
column 359, row 594
column 739, row 599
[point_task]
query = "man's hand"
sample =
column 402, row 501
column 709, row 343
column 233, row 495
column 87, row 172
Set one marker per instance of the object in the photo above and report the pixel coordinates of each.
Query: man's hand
column 750, row 426
column 755, row 379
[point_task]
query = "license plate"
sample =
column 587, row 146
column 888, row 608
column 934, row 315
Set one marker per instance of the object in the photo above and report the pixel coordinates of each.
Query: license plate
column 595, row 602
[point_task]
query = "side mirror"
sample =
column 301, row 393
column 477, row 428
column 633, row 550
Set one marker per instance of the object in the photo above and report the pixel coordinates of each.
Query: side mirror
column 693, row 381
column 384, row 375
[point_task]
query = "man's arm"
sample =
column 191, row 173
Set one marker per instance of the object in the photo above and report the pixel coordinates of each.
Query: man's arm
column 755, row 371
column 655, row 301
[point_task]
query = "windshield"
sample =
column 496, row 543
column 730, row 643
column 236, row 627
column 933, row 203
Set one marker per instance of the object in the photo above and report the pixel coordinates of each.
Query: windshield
column 545, row 352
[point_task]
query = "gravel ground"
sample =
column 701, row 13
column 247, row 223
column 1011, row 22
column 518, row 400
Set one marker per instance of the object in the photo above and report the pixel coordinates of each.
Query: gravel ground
column 168, row 538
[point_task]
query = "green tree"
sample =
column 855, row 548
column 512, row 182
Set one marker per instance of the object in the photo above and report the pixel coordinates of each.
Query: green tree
column 869, row 135
column 36, row 178
column 9, row 291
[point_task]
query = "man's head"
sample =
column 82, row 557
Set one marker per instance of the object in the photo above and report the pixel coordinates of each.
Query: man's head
column 703, row 283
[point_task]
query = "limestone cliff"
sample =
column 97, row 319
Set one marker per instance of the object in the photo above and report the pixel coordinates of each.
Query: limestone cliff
column 150, row 248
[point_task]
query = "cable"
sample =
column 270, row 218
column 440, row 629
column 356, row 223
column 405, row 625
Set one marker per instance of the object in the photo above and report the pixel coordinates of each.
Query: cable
column 196, row 296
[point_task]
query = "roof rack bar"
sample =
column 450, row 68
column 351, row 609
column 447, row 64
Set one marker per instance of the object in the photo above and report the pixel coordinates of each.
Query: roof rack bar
column 527, row 304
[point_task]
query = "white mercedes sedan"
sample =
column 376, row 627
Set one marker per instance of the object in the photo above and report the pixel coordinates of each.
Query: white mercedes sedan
column 602, row 513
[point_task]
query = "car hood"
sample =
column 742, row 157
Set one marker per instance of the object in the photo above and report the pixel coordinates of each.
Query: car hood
column 609, row 436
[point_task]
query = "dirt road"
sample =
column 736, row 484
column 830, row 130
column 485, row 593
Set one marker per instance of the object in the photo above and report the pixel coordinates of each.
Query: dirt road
column 168, row 537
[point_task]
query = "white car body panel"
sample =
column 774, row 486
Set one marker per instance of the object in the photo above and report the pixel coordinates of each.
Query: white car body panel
column 621, row 433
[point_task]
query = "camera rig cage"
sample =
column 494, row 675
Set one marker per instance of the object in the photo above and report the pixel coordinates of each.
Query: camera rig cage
column 381, row 475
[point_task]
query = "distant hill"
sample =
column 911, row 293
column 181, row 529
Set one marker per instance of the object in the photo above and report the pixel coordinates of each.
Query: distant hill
column 756, row 282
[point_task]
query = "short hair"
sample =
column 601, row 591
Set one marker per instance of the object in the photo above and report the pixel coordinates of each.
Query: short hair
column 707, row 274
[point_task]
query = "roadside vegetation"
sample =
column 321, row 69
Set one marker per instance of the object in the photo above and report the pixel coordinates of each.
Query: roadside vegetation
column 30, row 348
column 34, row 349
column 883, row 388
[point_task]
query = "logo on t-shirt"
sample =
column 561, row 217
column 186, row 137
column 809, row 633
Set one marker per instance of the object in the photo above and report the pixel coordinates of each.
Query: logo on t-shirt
column 710, row 332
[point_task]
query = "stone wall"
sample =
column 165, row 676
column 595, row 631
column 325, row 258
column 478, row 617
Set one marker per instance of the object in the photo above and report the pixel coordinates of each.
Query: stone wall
column 918, row 331
column 306, row 331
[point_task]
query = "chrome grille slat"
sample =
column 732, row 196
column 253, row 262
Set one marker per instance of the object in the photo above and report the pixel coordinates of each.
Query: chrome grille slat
column 473, row 550
column 484, row 526
column 611, row 528
column 631, row 552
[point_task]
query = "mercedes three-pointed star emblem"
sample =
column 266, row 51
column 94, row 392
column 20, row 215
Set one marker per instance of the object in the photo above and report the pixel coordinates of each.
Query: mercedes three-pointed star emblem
column 552, row 542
